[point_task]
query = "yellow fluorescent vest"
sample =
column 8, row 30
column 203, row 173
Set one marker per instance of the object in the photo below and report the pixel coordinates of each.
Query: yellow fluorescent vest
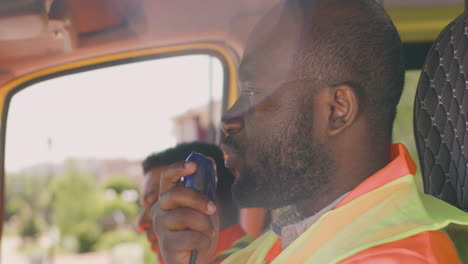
column 389, row 213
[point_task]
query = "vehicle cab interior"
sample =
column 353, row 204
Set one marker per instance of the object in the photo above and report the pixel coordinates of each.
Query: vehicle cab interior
column 89, row 88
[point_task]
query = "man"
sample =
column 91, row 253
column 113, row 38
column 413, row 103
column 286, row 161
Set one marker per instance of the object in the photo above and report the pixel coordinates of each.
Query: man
column 149, row 195
column 312, row 130
column 152, row 167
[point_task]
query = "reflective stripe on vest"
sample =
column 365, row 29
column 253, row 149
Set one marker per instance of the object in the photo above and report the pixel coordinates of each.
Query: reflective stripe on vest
column 238, row 245
column 392, row 212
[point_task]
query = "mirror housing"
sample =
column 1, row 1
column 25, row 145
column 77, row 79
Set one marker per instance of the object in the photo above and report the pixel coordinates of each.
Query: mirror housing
column 22, row 19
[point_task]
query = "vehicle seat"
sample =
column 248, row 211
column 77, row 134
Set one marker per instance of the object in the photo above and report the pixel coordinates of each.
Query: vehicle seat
column 441, row 115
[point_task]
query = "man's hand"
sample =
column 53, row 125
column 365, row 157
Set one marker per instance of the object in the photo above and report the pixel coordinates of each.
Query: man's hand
column 184, row 219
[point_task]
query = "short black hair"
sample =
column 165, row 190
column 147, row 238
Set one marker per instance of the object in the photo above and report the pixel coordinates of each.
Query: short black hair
column 181, row 151
column 355, row 44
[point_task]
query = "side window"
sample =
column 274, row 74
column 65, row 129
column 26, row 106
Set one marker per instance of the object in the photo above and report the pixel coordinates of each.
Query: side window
column 73, row 151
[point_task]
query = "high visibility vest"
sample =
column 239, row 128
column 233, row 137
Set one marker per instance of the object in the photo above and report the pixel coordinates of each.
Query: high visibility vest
column 390, row 213
column 236, row 246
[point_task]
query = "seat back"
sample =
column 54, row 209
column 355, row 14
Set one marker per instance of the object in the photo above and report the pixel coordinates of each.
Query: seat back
column 441, row 115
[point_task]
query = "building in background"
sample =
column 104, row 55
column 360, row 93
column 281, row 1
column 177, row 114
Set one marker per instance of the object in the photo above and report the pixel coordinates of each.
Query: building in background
column 199, row 124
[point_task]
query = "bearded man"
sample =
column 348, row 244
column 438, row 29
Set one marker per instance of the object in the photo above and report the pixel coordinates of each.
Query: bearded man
column 312, row 130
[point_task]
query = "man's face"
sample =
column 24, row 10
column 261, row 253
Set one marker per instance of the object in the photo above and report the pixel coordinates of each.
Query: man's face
column 149, row 196
column 274, row 155
column 275, row 144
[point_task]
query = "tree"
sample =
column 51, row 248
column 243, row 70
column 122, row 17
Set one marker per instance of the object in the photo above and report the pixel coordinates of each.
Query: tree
column 118, row 209
column 75, row 202
column 26, row 203
column 120, row 183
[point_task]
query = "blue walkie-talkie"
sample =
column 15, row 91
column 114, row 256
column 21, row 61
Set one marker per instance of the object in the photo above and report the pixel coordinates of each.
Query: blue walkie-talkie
column 203, row 180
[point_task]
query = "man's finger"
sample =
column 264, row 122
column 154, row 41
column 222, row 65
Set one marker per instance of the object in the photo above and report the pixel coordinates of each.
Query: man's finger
column 172, row 173
column 185, row 197
column 186, row 218
column 186, row 241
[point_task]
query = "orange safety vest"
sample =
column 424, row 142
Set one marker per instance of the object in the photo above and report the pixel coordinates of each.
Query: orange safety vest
column 227, row 237
column 383, row 220
column 230, row 238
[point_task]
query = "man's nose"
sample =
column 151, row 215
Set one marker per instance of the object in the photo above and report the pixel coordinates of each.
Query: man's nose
column 233, row 120
column 231, row 125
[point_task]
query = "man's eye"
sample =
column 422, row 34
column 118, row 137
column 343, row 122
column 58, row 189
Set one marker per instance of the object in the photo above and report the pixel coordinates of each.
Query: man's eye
column 250, row 92
column 251, row 96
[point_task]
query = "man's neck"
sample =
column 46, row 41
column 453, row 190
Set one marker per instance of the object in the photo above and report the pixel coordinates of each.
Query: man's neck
column 350, row 170
column 229, row 217
column 290, row 231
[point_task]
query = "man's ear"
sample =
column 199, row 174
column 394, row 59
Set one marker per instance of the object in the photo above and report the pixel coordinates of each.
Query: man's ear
column 344, row 106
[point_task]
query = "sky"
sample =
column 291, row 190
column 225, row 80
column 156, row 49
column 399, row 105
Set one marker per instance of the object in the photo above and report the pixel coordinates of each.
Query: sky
column 116, row 112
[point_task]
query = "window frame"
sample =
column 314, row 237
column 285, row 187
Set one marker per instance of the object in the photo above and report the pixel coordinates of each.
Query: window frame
column 8, row 90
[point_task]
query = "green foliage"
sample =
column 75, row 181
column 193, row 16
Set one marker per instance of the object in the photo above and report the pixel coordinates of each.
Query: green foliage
column 87, row 233
column 17, row 206
column 149, row 256
column 120, row 183
column 109, row 207
column 31, row 248
column 75, row 203
column 115, row 209
column 111, row 239
column 29, row 188
column 26, row 202
column 31, row 228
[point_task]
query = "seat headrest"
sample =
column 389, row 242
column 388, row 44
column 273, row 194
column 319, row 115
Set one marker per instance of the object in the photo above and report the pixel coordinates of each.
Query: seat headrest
column 441, row 115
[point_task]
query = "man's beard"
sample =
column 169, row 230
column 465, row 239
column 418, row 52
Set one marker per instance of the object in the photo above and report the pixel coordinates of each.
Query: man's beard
column 286, row 168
